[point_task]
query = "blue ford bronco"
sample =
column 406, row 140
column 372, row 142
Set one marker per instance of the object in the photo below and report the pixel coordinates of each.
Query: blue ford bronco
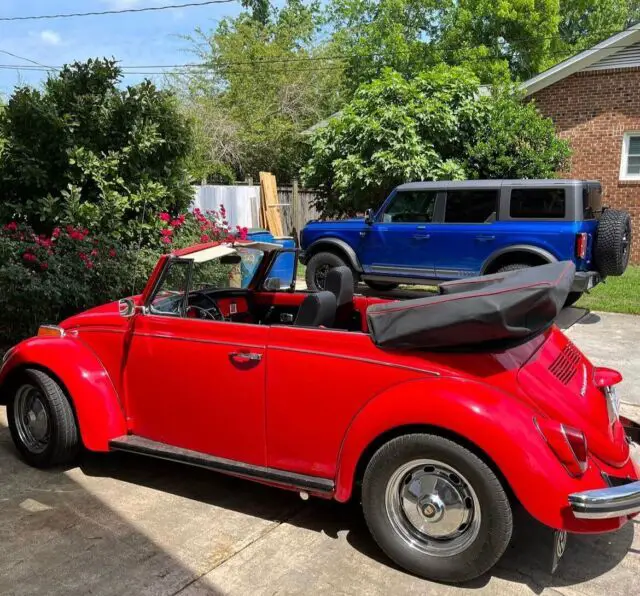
column 429, row 232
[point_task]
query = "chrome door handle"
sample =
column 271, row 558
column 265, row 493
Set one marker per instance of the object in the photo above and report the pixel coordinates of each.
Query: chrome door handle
column 422, row 236
column 246, row 356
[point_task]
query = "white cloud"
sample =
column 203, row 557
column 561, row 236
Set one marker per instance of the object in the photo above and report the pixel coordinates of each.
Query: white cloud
column 50, row 37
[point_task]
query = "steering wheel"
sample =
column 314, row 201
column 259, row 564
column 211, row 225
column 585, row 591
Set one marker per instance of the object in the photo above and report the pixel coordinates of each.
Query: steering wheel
column 213, row 313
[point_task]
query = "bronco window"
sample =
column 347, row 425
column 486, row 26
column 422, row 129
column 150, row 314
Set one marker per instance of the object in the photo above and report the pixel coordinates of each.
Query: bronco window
column 415, row 206
column 537, row 203
column 471, row 206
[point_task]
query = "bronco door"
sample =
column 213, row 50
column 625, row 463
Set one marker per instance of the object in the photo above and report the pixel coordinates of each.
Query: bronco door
column 195, row 383
column 398, row 243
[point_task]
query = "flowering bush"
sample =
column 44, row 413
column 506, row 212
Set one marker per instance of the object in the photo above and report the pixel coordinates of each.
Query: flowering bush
column 45, row 278
column 197, row 228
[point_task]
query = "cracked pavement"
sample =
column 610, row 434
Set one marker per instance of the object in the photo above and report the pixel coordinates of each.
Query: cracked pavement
column 120, row 524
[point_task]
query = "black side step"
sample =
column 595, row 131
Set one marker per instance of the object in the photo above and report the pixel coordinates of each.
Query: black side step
column 140, row 445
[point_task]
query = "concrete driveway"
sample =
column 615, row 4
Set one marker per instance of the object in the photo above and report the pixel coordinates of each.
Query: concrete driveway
column 121, row 524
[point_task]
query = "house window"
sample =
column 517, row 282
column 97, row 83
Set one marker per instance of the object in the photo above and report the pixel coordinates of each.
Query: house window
column 630, row 165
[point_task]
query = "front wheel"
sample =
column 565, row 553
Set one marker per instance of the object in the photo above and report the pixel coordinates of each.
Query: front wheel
column 41, row 421
column 435, row 508
column 319, row 266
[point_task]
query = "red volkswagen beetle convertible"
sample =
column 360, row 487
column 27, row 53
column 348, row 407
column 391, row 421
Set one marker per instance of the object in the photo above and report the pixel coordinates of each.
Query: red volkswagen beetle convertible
column 440, row 413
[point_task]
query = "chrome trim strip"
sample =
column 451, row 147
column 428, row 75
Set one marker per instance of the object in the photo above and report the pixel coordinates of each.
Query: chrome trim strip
column 395, row 268
column 606, row 503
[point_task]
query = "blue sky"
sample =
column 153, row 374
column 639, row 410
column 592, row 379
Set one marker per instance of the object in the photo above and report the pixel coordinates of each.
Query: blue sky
column 134, row 39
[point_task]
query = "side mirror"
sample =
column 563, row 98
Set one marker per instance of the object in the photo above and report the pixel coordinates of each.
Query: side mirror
column 368, row 216
column 127, row 307
column 272, row 284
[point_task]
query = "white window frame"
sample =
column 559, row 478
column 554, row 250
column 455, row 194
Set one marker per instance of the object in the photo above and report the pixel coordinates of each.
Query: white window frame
column 624, row 161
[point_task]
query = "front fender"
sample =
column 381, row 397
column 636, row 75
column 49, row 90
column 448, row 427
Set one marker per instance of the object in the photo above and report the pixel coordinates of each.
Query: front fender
column 97, row 406
column 494, row 422
column 335, row 243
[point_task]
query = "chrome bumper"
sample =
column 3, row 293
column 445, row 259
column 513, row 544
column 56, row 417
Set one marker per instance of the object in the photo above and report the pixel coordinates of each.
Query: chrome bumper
column 604, row 503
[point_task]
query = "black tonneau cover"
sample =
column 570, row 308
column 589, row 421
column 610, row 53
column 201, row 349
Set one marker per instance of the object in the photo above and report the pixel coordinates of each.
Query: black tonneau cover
column 489, row 310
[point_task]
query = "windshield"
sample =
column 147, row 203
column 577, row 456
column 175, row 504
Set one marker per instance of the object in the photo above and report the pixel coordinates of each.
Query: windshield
column 216, row 268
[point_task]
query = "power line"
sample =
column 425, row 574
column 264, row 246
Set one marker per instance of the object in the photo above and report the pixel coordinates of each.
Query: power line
column 112, row 12
column 26, row 59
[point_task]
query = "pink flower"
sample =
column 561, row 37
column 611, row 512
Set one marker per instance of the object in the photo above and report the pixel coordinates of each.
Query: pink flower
column 88, row 264
column 82, row 256
column 165, row 216
column 166, row 232
column 11, row 226
column 44, row 266
column 176, row 223
column 29, row 257
column 166, row 239
column 112, row 252
column 205, row 238
column 56, row 232
column 94, row 253
column 223, row 211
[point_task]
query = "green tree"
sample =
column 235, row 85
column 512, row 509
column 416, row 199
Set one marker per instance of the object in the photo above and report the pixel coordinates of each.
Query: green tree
column 262, row 85
column 84, row 152
column 436, row 126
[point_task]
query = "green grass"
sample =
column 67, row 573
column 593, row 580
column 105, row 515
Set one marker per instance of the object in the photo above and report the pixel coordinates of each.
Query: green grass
column 617, row 294
column 301, row 271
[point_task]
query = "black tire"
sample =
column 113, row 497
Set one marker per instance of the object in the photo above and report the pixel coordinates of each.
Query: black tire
column 613, row 242
column 57, row 422
column 489, row 527
column 381, row 286
column 318, row 267
column 572, row 298
column 513, row 267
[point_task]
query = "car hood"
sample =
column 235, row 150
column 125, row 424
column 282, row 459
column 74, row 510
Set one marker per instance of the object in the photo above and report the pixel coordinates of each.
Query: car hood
column 105, row 314
column 336, row 222
column 560, row 380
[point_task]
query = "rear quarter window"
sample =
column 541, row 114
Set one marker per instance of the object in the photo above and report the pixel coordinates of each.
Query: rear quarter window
column 538, row 203
column 591, row 201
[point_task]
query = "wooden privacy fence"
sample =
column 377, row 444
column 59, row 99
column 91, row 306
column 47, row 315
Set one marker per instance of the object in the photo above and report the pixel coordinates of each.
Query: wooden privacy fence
column 242, row 204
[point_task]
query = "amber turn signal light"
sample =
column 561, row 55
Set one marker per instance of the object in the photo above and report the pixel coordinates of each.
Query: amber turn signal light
column 50, row 331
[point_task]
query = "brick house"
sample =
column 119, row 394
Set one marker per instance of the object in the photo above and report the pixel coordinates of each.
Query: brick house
column 594, row 100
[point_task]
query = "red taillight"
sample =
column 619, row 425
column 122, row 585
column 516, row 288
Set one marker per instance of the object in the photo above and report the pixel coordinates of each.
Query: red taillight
column 568, row 443
column 606, row 377
column 581, row 245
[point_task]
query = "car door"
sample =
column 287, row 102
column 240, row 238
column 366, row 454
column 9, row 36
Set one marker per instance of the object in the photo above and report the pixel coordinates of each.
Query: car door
column 397, row 243
column 193, row 383
column 468, row 233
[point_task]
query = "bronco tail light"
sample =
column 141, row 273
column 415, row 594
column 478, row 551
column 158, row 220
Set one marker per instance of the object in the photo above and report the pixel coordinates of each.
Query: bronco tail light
column 568, row 443
column 50, row 331
column 581, row 245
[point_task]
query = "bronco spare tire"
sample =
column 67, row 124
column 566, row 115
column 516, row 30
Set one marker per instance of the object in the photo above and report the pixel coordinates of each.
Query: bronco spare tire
column 613, row 242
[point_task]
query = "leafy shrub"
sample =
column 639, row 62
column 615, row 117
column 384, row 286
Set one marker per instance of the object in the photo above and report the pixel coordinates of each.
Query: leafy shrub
column 436, row 126
column 83, row 152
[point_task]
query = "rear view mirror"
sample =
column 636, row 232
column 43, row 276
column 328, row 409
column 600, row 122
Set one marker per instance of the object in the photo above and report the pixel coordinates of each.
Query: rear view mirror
column 127, row 307
column 273, row 284
column 231, row 259
column 368, row 217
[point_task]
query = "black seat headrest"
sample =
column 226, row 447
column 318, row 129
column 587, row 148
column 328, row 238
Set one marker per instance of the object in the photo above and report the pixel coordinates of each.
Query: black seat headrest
column 340, row 282
column 317, row 309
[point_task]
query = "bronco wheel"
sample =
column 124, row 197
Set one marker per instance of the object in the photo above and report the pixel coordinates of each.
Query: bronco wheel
column 41, row 420
column 318, row 267
column 613, row 242
column 381, row 286
column 435, row 508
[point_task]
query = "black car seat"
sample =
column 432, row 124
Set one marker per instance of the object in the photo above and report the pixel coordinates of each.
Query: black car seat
column 340, row 283
column 317, row 310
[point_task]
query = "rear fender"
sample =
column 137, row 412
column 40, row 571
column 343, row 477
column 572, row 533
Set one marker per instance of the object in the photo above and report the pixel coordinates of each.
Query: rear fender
column 494, row 424
column 96, row 404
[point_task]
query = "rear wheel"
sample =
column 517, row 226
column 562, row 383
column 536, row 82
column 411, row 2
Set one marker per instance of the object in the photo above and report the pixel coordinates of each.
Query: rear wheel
column 613, row 242
column 435, row 508
column 41, row 421
column 513, row 267
column 319, row 266
column 381, row 286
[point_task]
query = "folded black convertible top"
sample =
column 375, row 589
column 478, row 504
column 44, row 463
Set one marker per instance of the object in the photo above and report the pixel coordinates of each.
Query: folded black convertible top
column 502, row 308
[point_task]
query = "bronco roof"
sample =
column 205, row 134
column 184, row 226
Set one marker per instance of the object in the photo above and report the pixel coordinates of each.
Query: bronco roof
column 541, row 183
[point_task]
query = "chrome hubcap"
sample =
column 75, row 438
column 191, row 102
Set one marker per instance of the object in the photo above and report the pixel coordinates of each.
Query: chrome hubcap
column 433, row 507
column 32, row 419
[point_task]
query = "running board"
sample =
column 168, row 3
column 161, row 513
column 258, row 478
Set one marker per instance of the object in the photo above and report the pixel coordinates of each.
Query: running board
column 142, row 446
